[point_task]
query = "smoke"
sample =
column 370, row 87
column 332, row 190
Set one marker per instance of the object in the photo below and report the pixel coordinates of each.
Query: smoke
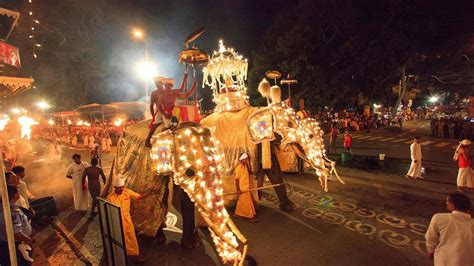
column 166, row 25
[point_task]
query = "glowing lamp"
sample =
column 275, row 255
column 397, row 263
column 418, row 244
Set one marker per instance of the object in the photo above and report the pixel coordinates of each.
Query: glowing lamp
column 433, row 99
column 146, row 70
column 43, row 105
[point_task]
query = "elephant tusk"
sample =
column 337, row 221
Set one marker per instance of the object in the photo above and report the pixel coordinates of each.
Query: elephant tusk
column 332, row 164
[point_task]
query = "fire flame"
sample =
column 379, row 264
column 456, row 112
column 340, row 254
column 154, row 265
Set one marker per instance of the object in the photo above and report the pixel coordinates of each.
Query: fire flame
column 4, row 122
column 26, row 123
column 118, row 122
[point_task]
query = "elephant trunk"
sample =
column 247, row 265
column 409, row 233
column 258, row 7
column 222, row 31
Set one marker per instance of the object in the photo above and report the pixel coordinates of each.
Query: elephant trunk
column 207, row 196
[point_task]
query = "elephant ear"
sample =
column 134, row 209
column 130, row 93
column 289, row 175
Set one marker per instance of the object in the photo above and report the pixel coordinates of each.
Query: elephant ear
column 260, row 125
column 162, row 151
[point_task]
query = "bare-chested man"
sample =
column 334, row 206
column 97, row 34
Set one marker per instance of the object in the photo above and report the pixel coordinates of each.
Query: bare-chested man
column 164, row 98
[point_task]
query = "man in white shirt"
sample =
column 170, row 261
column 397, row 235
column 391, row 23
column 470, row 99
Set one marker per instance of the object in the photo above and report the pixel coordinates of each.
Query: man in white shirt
column 80, row 196
column 416, row 156
column 14, row 180
column 20, row 171
column 450, row 236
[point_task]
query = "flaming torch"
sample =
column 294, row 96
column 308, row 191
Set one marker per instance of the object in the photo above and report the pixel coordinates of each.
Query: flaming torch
column 26, row 123
column 118, row 122
column 4, row 122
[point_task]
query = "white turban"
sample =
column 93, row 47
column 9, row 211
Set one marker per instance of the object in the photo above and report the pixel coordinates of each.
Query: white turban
column 119, row 181
column 243, row 156
column 465, row 142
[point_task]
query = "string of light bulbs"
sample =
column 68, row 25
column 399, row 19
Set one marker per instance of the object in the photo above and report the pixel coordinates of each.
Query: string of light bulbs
column 33, row 27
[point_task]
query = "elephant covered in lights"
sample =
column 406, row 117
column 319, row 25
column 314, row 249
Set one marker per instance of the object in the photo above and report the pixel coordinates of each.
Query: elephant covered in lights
column 184, row 161
column 274, row 127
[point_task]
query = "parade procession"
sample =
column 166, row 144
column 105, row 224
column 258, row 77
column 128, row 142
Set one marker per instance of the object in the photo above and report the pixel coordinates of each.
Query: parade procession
column 249, row 133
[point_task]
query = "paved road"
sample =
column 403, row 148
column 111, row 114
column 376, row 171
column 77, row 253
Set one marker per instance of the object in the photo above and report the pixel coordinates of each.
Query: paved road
column 376, row 218
column 397, row 144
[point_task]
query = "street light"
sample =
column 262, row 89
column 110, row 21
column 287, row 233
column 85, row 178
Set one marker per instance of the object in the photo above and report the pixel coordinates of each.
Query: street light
column 138, row 33
column 433, row 99
column 146, row 70
column 43, row 105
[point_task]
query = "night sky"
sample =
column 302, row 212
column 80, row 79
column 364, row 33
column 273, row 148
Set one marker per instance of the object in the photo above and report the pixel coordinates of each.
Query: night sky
column 242, row 24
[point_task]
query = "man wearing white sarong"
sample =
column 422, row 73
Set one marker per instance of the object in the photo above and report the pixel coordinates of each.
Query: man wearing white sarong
column 465, row 179
column 450, row 236
column 75, row 170
column 91, row 141
column 108, row 143
column 416, row 156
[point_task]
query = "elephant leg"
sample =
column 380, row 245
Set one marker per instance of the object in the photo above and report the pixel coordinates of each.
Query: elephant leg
column 190, row 237
column 160, row 237
column 275, row 175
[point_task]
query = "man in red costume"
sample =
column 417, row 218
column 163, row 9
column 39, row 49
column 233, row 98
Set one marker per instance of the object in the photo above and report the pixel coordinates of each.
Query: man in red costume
column 164, row 98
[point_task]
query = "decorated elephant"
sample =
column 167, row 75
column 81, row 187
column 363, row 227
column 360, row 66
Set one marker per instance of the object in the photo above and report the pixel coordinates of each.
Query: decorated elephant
column 188, row 156
column 239, row 127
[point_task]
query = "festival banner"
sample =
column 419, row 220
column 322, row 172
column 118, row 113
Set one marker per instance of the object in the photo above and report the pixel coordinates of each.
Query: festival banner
column 9, row 55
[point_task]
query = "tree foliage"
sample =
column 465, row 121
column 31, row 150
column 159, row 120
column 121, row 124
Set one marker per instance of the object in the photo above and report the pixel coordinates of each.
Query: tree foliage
column 339, row 50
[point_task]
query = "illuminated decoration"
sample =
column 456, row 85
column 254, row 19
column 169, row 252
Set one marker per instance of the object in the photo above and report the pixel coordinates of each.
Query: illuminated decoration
column 262, row 127
column 3, row 122
column 79, row 123
column 51, row 122
column 69, row 122
column 304, row 136
column 34, row 23
column 226, row 74
column 87, row 124
column 118, row 122
column 26, row 123
column 190, row 154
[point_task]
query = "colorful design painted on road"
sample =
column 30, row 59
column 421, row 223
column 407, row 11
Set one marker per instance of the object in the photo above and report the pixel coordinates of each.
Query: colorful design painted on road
column 378, row 225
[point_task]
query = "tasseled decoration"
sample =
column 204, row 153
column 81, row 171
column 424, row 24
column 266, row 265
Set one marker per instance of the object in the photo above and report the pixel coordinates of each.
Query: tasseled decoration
column 275, row 94
column 266, row 155
column 264, row 89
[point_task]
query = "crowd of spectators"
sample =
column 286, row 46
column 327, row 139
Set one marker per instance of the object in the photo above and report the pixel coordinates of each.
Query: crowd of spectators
column 102, row 134
column 350, row 121
column 451, row 128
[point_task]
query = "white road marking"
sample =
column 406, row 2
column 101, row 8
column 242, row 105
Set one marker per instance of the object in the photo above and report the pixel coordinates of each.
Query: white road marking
column 386, row 139
column 427, row 142
column 408, row 142
column 454, row 147
column 398, row 140
column 365, row 137
column 442, row 144
column 374, row 138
